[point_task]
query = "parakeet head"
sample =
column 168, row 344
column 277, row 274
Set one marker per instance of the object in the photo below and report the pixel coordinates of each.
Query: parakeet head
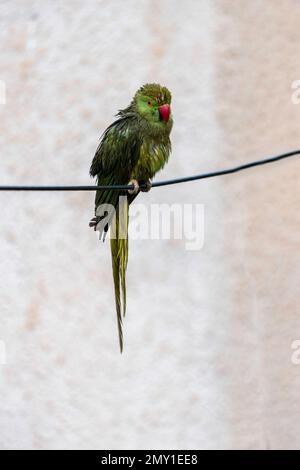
column 153, row 103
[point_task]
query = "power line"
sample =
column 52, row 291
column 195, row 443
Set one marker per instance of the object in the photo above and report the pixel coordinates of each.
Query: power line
column 186, row 179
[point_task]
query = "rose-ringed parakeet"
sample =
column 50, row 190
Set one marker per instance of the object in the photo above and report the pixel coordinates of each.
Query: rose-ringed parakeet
column 131, row 151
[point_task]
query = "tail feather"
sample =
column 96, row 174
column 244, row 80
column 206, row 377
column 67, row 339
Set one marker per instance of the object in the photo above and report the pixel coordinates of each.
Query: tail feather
column 116, row 276
column 119, row 255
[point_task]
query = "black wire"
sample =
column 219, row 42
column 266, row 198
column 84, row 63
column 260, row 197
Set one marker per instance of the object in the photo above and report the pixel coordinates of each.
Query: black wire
column 158, row 183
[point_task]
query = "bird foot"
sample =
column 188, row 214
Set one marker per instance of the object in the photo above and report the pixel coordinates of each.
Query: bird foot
column 136, row 187
column 93, row 223
column 145, row 186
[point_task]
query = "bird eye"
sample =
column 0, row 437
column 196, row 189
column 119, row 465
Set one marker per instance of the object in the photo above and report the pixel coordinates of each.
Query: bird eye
column 149, row 103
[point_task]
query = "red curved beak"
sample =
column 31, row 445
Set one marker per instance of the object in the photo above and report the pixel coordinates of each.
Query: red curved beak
column 164, row 112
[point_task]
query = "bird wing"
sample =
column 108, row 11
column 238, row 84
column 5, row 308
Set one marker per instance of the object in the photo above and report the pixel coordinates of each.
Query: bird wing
column 120, row 143
column 115, row 158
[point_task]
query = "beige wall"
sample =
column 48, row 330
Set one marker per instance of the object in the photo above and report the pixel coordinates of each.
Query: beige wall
column 208, row 335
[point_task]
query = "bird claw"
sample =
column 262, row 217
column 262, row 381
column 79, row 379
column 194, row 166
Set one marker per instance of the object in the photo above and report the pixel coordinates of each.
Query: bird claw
column 136, row 187
column 146, row 186
column 93, row 223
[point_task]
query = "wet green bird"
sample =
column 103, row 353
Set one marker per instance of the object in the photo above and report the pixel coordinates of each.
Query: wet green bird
column 131, row 151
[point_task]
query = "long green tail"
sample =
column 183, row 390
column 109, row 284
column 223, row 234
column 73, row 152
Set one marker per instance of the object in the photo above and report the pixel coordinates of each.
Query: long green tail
column 119, row 257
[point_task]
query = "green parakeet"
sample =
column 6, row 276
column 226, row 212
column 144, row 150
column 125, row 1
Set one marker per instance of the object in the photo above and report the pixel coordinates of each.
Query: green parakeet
column 131, row 151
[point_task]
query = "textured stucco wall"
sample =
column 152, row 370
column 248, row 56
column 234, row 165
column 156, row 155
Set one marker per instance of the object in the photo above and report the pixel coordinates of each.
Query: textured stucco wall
column 208, row 334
